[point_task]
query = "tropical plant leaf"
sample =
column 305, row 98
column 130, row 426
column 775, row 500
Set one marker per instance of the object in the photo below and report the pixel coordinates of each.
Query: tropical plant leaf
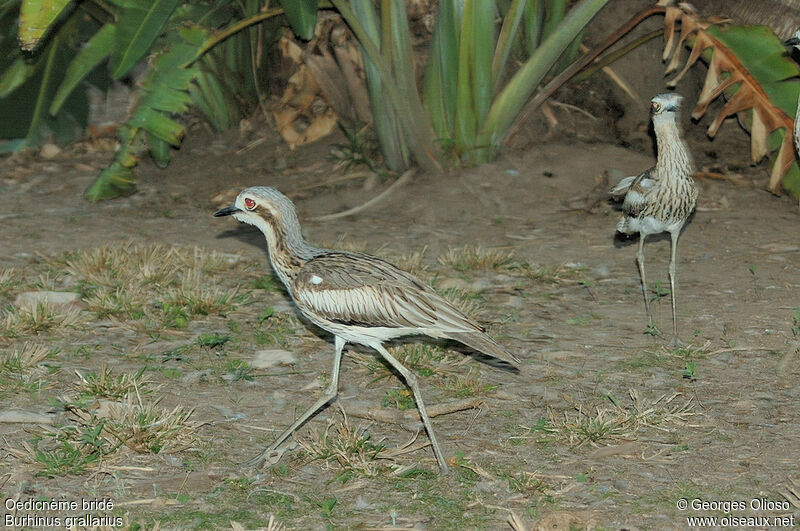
column 385, row 119
column 159, row 150
column 302, row 16
column 140, row 23
column 25, row 109
column 15, row 75
column 36, row 17
column 506, row 40
column 96, row 49
column 749, row 66
column 510, row 101
column 164, row 89
column 439, row 96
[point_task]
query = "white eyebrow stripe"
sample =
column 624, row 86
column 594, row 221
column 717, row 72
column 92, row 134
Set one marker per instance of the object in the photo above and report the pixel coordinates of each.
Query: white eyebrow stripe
column 316, row 280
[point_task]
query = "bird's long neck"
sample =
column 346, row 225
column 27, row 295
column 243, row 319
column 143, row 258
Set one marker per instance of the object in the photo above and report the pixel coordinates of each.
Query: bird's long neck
column 673, row 156
column 288, row 251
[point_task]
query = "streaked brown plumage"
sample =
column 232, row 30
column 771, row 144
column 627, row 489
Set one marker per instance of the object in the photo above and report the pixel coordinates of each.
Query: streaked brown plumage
column 663, row 197
column 356, row 297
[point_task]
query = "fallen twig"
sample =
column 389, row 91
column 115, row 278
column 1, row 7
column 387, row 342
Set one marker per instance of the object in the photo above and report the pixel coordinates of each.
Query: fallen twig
column 380, row 414
column 380, row 197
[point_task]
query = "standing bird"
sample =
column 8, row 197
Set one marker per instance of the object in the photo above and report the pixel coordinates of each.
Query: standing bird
column 356, row 297
column 662, row 197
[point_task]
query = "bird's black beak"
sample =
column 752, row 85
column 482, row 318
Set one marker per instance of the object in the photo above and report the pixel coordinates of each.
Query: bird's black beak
column 227, row 211
column 792, row 41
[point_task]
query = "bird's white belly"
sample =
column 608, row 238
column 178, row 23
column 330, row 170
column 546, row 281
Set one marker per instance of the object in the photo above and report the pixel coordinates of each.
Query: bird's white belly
column 366, row 335
column 649, row 225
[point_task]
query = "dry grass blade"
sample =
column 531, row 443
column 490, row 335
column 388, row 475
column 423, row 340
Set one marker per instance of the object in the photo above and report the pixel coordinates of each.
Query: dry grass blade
column 412, row 262
column 8, row 280
column 351, row 448
column 272, row 525
column 106, row 385
column 792, row 492
column 617, row 423
column 43, row 317
column 165, row 286
column 22, row 368
column 200, row 298
column 471, row 258
column 28, row 357
column 147, row 428
column 516, row 523
column 549, row 274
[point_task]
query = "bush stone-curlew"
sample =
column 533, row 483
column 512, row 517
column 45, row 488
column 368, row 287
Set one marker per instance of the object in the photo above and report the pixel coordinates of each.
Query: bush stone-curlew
column 662, row 198
column 356, row 297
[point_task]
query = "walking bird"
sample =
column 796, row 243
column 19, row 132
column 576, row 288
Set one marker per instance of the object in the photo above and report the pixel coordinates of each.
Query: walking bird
column 356, row 297
column 661, row 198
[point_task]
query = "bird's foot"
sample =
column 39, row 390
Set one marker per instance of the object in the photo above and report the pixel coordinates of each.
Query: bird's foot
column 675, row 342
column 268, row 457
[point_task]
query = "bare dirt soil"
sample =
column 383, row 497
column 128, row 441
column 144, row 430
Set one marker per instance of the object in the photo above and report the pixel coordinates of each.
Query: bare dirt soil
column 602, row 427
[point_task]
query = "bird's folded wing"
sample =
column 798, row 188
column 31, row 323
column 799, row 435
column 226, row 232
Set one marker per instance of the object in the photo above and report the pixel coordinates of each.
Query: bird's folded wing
column 361, row 290
column 637, row 193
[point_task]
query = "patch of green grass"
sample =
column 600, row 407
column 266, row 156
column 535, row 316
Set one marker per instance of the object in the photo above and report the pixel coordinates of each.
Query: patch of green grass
column 214, row 340
column 423, row 358
column 266, row 282
column 467, row 385
column 361, row 149
column 644, row 360
column 689, row 371
column 67, row 450
column 171, row 373
column 658, row 291
column 527, row 483
column 175, row 353
column 401, row 399
column 326, row 507
column 239, row 370
column 450, row 508
column 274, row 328
column 548, row 274
column 8, row 281
column 171, row 315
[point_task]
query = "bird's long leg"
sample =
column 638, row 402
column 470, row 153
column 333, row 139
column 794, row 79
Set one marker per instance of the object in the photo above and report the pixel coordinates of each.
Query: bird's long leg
column 640, row 262
column 411, row 381
column 329, row 394
column 676, row 342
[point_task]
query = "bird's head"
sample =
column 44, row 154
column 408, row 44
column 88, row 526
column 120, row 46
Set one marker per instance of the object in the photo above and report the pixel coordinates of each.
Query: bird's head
column 261, row 206
column 665, row 103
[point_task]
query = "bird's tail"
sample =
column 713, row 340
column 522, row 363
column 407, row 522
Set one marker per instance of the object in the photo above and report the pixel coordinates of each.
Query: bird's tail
column 622, row 187
column 485, row 344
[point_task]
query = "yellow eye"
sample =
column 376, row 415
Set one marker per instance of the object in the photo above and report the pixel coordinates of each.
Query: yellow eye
column 249, row 204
